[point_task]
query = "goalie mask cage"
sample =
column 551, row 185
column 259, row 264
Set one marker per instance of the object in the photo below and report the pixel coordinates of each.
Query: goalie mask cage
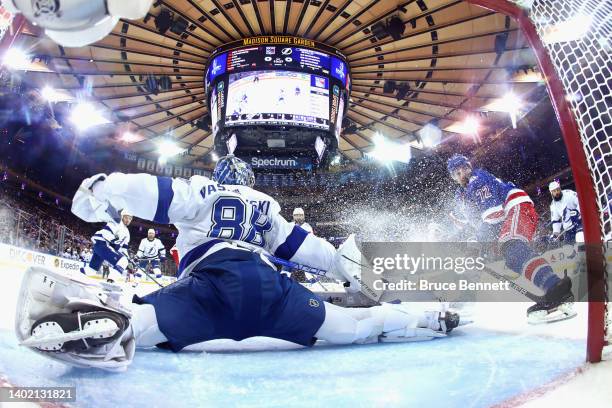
column 578, row 78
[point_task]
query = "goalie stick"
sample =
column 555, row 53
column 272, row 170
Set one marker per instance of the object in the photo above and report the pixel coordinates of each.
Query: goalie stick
column 295, row 267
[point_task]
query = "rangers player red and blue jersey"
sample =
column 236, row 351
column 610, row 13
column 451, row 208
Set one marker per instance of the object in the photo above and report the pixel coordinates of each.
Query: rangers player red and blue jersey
column 488, row 198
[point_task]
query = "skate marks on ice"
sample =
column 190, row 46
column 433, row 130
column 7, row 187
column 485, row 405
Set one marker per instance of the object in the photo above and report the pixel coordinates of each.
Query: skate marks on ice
column 474, row 367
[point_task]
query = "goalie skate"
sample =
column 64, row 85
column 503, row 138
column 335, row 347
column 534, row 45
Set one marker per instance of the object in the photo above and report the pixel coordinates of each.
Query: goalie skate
column 76, row 331
column 72, row 319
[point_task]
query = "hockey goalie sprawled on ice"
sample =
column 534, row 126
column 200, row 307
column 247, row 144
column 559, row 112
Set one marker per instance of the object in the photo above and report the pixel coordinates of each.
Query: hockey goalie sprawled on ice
column 227, row 288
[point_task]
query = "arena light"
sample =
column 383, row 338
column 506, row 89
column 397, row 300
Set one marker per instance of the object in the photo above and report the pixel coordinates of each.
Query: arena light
column 572, row 29
column 469, row 126
column 167, row 148
column 129, row 137
column 387, row 151
column 84, row 116
column 52, row 95
column 16, row 58
column 528, row 75
column 430, row 135
column 509, row 103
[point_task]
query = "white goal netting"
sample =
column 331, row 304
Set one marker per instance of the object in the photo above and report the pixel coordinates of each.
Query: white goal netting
column 577, row 36
column 6, row 18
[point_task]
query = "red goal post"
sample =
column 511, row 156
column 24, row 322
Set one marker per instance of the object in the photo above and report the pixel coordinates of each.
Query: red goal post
column 568, row 73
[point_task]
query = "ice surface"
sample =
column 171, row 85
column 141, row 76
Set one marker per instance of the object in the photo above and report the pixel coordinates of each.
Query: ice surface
column 494, row 360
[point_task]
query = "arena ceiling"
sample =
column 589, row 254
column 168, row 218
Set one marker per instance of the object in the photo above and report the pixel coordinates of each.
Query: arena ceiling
column 456, row 59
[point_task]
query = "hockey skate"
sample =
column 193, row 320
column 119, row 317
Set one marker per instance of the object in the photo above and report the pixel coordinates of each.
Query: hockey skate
column 556, row 305
column 77, row 331
column 74, row 320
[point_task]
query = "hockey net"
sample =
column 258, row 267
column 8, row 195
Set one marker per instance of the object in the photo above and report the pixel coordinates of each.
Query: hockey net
column 572, row 39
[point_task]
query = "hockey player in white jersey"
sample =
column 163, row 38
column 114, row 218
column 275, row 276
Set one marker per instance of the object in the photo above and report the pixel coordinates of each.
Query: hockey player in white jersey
column 225, row 290
column 300, row 219
column 111, row 244
column 151, row 252
column 565, row 215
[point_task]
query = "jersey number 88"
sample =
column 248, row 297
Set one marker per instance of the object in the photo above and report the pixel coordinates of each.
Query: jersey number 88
column 229, row 221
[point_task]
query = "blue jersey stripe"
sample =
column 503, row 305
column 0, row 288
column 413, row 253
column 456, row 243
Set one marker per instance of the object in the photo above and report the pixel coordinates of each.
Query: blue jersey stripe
column 293, row 242
column 196, row 253
column 165, row 196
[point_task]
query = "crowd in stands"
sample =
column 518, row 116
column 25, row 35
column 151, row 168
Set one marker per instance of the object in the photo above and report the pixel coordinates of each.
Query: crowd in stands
column 40, row 227
column 31, row 220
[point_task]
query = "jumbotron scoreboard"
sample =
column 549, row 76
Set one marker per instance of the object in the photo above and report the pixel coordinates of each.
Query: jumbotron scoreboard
column 284, row 96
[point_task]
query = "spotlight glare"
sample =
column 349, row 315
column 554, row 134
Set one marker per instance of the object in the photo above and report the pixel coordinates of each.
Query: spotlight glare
column 16, row 58
column 387, row 151
column 129, row 137
column 53, row 95
column 431, row 135
column 572, row 29
column 470, row 126
column 84, row 116
column 167, row 148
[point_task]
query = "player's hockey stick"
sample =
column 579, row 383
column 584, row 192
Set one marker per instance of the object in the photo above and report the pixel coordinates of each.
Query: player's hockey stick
column 152, row 278
column 515, row 286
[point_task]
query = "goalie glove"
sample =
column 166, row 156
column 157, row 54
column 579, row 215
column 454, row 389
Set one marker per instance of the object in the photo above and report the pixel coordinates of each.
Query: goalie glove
column 87, row 207
column 348, row 267
column 76, row 23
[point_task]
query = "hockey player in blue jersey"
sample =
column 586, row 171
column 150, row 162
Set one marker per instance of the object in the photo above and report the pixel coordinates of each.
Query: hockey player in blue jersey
column 227, row 288
column 110, row 244
column 505, row 214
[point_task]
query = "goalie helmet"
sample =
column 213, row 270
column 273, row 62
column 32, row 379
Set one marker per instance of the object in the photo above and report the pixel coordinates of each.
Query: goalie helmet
column 234, row 171
column 76, row 23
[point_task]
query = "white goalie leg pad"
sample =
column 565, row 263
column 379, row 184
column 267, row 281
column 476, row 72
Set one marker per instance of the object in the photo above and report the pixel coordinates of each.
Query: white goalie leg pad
column 145, row 328
column 44, row 292
column 380, row 323
column 401, row 325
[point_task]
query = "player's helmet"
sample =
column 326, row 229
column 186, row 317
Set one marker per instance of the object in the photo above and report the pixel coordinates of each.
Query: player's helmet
column 234, row 171
column 456, row 161
column 554, row 185
column 76, row 23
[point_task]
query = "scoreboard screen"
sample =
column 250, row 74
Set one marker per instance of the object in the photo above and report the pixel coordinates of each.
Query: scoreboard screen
column 265, row 81
column 278, row 98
